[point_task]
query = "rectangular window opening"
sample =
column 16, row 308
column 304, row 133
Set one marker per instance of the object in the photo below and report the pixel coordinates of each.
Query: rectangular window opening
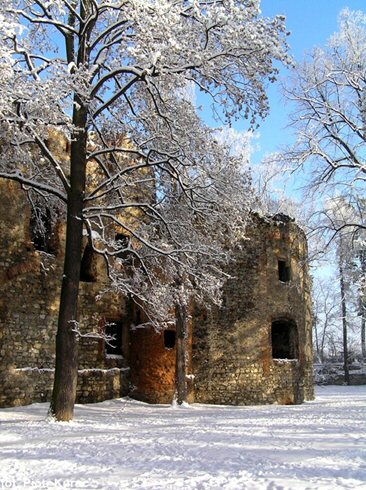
column 169, row 339
column 121, row 239
column 284, row 272
column 41, row 230
column 122, row 242
column 113, row 341
column 284, row 339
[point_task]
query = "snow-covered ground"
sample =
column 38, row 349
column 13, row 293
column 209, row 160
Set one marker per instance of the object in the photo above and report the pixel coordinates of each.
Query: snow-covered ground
column 124, row 444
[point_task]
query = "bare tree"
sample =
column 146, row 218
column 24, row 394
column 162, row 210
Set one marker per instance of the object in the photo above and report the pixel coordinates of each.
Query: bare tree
column 325, row 315
column 362, row 302
column 342, row 221
column 342, row 284
column 111, row 76
column 328, row 91
column 358, row 280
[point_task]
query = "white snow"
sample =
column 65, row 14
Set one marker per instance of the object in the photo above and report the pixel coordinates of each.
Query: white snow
column 124, row 444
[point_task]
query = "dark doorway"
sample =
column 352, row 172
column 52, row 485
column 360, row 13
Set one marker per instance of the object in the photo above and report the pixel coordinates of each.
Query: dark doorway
column 284, row 339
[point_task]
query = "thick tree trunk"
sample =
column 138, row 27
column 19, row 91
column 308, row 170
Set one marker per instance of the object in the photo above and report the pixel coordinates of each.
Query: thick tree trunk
column 344, row 323
column 181, row 348
column 66, row 369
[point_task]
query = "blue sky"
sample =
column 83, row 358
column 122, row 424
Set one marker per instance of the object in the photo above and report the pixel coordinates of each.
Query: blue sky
column 311, row 23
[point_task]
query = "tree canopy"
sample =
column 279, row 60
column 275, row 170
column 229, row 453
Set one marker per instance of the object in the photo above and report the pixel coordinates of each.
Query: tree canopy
column 328, row 90
column 112, row 77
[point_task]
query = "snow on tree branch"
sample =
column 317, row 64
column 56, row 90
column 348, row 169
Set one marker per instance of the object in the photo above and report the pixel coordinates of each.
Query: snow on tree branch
column 93, row 109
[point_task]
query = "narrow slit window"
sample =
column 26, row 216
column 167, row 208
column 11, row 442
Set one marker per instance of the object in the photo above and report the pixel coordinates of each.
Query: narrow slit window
column 169, row 339
column 284, row 272
column 113, row 340
column 284, row 338
column 41, row 230
column 88, row 271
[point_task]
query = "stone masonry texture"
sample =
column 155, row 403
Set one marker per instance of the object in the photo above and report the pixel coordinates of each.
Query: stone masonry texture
column 229, row 349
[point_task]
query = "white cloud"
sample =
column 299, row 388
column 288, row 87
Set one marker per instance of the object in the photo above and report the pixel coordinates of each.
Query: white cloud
column 242, row 143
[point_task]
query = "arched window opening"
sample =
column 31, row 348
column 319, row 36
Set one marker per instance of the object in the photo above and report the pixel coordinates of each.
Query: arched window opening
column 284, row 339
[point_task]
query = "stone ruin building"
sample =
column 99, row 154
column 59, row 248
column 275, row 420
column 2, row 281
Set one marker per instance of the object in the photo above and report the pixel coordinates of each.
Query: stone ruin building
column 255, row 349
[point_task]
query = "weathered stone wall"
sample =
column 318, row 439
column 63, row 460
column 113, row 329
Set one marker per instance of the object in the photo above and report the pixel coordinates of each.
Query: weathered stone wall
column 232, row 349
column 229, row 349
column 152, row 365
column 29, row 298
